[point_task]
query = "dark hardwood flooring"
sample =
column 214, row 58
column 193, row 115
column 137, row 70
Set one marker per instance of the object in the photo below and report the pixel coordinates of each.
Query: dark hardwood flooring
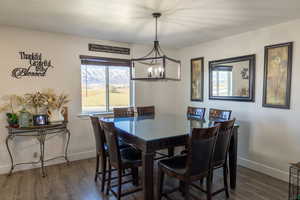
column 76, row 182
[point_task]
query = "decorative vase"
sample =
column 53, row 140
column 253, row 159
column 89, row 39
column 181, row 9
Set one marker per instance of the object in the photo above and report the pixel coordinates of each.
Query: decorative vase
column 25, row 118
column 56, row 115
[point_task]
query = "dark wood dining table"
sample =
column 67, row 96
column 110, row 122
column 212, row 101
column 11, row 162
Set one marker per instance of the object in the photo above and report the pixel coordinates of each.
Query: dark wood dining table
column 165, row 131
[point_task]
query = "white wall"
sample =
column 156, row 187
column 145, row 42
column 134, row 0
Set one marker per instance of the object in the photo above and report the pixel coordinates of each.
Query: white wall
column 269, row 139
column 64, row 51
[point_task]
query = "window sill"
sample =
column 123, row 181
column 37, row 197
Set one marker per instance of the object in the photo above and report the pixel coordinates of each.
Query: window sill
column 100, row 114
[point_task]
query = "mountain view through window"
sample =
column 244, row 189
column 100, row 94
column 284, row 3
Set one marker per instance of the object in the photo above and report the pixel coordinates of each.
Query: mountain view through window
column 104, row 87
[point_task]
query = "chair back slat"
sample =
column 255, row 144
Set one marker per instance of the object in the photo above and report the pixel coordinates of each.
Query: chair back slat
column 145, row 110
column 124, row 112
column 216, row 114
column 196, row 112
column 200, row 148
column 223, row 141
column 99, row 135
column 112, row 143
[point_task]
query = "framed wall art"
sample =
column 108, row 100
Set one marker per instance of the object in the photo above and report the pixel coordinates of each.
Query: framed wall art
column 197, row 76
column 277, row 75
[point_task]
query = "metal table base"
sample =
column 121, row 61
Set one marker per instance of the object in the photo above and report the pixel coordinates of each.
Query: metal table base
column 40, row 133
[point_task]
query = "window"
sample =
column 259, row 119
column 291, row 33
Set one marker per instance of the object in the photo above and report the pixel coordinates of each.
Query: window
column 222, row 81
column 105, row 84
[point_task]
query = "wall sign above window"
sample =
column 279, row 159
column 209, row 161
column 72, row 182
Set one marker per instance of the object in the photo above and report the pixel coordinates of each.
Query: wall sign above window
column 36, row 66
column 109, row 49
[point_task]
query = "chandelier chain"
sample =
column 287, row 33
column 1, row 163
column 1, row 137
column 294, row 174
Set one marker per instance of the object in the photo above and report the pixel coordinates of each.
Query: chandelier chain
column 155, row 28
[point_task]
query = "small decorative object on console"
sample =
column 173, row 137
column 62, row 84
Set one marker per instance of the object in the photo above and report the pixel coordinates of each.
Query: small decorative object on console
column 25, row 118
column 55, row 106
column 40, row 120
column 12, row 120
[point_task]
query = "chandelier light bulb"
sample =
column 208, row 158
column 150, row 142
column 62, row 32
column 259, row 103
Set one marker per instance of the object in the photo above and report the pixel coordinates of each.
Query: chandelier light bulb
column 150, row 71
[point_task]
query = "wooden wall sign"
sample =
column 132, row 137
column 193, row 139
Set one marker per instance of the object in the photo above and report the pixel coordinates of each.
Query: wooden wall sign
column 36, row 65
column 109, row 49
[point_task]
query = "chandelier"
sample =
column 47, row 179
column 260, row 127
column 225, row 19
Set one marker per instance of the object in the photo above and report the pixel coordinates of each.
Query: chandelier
column 155, row 65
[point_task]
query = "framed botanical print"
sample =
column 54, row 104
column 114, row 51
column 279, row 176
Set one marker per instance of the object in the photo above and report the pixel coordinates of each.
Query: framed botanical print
column 277, row 75
column 197, row 76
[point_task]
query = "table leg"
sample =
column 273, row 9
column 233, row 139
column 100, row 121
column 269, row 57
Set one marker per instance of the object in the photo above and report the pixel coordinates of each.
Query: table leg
column 148, row 160
column 233, row 158
column 42, row 151
column 67, row 146
column 10, row 155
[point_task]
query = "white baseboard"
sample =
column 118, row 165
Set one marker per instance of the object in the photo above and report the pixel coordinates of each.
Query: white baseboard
column 276, row 173
column 4, row 169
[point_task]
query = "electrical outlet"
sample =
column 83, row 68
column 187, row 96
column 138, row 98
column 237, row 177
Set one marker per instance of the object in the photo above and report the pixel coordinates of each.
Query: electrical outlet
column 35, row 154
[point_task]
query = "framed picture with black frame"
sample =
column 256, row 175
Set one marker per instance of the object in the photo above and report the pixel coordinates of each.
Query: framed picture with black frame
column 197, row 78
column 278, row 75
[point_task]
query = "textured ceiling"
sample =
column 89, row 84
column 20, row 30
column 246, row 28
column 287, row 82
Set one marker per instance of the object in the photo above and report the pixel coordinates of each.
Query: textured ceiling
column 184, row 22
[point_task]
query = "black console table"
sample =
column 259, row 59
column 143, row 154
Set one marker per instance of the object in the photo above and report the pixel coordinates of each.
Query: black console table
column 40, row 133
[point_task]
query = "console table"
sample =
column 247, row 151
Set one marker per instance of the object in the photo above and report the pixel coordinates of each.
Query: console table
column 40, row 133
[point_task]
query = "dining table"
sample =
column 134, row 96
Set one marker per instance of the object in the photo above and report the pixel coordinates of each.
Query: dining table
column 165, row 131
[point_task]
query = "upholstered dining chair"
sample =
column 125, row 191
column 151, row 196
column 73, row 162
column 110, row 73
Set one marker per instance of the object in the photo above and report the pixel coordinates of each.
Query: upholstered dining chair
column 101, row 150
column 123, row 112
column 221, row 153
column 195, row 165
column 196, row 112
column 145, row 110
column 222, row 149
column 216, row 114
column 120, row 159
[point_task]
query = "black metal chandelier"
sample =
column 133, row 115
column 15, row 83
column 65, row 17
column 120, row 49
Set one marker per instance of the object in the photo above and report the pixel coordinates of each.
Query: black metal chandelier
column 155, row 65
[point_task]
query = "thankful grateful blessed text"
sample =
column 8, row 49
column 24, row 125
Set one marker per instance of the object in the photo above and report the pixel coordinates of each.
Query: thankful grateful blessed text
column 36, row 65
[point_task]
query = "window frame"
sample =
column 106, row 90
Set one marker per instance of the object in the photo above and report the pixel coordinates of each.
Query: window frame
column 229, row 82
column 107, row 63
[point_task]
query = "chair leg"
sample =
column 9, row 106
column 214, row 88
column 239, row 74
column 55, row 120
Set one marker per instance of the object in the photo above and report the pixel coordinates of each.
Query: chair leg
column 225, row 175
column 208, row 187
column 201, row 181
column 160, row 183
column 187, row 191
column 171, row 151
column 97, row 167
column 109, row 179
column 182, row 188
column 119, row 195
column 104, row 165
column 135, row 176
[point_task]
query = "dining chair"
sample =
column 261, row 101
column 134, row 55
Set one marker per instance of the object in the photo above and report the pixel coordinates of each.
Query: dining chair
column 195, row 165
column 150, row 111
column 222, row 149
column 101, row 150
column 145, row 110
column 123, row 112
column 120, row 159
column 196, row 112
column 221, row 154
column 216, row 114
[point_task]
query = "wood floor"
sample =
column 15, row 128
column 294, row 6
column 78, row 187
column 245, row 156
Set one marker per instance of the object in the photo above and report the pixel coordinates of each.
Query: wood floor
column 76, row 182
